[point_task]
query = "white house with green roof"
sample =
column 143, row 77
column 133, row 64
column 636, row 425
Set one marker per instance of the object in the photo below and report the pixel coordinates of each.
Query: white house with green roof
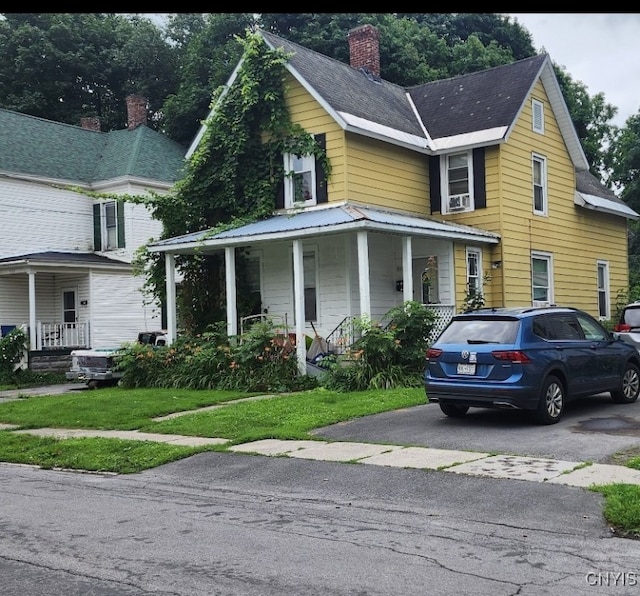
column 65, row 257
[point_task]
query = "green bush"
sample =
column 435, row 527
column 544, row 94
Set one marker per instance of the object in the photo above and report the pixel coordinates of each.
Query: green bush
column 262, row 361
column 12, row 346
column 385, row 356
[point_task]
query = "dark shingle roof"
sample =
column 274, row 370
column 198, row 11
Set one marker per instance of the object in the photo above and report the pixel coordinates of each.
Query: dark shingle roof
column 587, row 183
column 347, row 89
column 463, row 104
column 477, row 101
column 39, row 147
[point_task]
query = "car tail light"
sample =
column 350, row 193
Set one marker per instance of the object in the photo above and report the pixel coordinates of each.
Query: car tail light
column 433, row 353
column 622, row 327
column 513, row 356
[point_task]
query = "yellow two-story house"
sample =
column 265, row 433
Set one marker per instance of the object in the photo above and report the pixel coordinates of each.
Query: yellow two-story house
column 440, row 193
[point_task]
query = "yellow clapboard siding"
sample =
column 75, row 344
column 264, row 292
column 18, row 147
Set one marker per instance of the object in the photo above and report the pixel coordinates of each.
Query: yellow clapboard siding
column 387, row 176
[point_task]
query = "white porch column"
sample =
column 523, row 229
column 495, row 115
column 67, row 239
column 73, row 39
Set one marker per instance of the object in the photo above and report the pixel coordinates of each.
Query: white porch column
column 170, row 289
column 363, row 275
column 230, row 277
column 298, row 299
column 407, row 269
column 33, row 342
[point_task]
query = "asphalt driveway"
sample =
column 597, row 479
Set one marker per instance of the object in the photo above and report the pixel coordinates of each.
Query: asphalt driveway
column 592, row 429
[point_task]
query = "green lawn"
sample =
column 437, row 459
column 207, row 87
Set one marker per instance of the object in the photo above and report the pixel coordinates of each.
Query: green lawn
column 288, row 416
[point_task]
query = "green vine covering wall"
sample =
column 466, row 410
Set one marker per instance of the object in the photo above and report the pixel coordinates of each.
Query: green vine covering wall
column 231, row 179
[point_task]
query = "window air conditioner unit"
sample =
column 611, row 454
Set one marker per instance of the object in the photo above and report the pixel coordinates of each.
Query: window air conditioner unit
column 459, row 202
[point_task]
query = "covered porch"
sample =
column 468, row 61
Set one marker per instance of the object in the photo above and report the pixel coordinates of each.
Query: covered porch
column 324, row 266
column 48, row 295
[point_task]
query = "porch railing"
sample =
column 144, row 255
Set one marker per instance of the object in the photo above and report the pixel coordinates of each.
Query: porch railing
column 51, row 336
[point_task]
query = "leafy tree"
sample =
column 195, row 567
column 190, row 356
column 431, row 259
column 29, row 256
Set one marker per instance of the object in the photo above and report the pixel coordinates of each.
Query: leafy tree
column 591, row 116
column 63, row 66
column 231, row 178
column 626, row 176
column 207, row 53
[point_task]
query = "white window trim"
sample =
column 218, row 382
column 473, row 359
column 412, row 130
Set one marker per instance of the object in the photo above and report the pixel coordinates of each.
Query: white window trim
column 289, row 182
column 537, row 106
column 605, row 289
column 444, row 182
column 546, row 256
column 536, row 157
column 478, row 252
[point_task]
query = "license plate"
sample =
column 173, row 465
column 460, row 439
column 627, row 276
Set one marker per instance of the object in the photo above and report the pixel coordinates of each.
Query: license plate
column 466, row 369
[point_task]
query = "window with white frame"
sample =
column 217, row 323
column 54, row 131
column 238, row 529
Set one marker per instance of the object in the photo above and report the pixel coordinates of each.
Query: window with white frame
column 541, row 279
column 474, row 271
column 539, row 171
column 108, row 225
column 300, row 181
column 458, row 182
column 537, row 109
column 604, row 311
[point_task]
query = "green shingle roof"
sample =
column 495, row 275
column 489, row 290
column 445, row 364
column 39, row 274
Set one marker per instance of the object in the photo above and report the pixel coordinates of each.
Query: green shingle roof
column 39, row 147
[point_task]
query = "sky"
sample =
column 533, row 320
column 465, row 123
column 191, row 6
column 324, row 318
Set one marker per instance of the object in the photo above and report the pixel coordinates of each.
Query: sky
column 601, row 50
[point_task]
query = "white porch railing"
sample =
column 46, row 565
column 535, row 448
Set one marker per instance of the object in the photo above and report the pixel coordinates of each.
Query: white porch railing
column 51, row 336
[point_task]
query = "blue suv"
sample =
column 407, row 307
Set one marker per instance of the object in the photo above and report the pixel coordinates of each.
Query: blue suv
column 530, row 358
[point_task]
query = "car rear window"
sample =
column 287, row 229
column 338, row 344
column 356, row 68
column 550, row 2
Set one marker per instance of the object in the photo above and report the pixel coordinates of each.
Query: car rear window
column 480, row 331
column 632, row 317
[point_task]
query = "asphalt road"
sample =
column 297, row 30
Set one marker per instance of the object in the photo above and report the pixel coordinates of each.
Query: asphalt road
column 241, row 525
column 229, row 524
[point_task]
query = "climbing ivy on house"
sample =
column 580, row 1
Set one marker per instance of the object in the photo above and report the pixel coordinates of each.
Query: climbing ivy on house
column 231, row 179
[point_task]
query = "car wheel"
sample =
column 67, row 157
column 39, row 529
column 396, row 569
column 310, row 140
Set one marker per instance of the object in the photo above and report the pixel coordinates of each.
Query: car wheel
column 454, row 411
column 551, row 404
column 629, row 386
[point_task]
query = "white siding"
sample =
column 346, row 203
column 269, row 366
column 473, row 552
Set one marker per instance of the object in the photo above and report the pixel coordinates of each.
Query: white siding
column 38, row 217
column 338, row 276
column 117, row 310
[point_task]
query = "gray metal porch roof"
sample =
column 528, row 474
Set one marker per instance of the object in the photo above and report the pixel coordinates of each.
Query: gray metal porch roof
column 321, row 221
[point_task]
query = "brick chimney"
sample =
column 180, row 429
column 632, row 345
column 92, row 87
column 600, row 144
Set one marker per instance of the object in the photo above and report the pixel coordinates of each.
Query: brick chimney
column 90, row 123
column 136, row 111
column 364, row 48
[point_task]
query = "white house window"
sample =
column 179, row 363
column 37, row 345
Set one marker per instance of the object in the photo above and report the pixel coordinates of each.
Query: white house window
column 474, row 271
column 541, row 276
column 300, row 181
column 539, row 170
column 537, row 108
column 603, row 290
column 457, row 183
column 108, row 225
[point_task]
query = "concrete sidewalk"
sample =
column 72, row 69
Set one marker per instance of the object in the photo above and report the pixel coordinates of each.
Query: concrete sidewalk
column 571, row 473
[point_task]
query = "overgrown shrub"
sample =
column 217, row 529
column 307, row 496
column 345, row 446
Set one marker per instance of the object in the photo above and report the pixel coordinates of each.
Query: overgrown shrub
column 12, row 346
column 262, row 361
column 385, row 356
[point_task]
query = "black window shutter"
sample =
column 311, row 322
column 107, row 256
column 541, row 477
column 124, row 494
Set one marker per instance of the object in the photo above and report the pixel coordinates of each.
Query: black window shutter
column 120, row 223
column 97, row 227
column 280, row 187
column 479, row 180
column 434, row 183
column 322, row 195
